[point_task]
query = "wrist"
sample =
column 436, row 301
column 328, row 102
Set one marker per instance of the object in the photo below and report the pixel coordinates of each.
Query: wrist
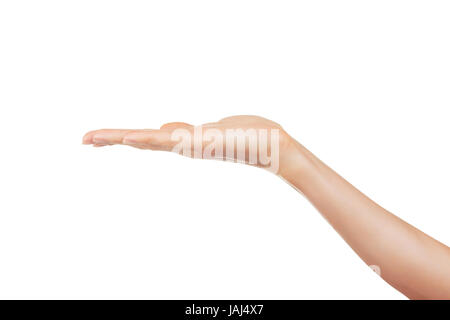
column 295, row 160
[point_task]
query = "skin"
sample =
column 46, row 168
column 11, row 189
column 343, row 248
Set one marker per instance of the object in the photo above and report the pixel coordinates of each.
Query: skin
column 410, row 261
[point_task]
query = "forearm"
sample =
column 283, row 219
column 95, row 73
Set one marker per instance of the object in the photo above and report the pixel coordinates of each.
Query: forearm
column 409, row 260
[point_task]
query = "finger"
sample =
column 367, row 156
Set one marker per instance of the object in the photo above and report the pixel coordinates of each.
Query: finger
column 150, row 139
column 110, row 137
column 210, row 125
column 89, row 137
column 176, row 125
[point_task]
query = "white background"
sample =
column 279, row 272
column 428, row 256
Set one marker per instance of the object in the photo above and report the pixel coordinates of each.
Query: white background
column 363, row 84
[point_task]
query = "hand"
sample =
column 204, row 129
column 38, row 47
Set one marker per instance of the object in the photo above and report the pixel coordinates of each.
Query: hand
column 248, row 139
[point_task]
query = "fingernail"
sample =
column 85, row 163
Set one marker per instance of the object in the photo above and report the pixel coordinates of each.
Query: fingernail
column 85, row 140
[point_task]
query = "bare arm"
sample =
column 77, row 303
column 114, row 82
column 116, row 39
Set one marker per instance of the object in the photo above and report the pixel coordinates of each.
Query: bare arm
column 409, row 260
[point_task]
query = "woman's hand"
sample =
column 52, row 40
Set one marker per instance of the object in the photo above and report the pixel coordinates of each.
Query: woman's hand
column 247, row 139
